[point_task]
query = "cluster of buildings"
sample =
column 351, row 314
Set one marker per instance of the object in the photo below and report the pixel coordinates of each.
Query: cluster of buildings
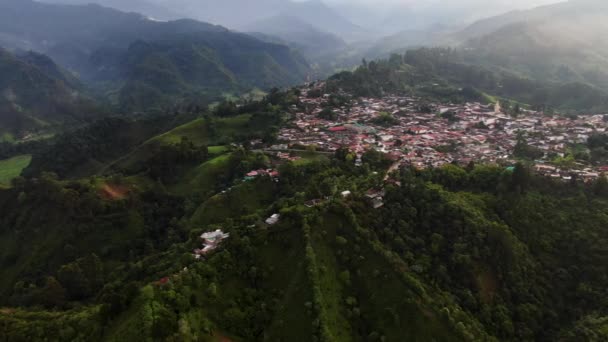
column 274, row 174
column 430, row 135
column 210, row 242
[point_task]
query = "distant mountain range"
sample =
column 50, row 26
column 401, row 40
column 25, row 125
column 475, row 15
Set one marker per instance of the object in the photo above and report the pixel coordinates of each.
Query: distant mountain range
column 139, row 63
column 299, row 34
column 562, row 42
column 145, row 7
column 36, row 94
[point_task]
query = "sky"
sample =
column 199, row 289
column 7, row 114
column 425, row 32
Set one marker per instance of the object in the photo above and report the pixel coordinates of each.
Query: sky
column 518, row 3
column 418, row 13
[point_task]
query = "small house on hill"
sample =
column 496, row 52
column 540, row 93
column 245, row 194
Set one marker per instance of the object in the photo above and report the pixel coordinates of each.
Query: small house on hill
column 211, row 241
column 272, row 220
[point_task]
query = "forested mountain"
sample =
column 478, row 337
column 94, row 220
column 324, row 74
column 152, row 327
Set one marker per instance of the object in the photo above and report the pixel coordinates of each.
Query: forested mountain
column 556, row 43
column 37, row 94
column 482, row 253
column 136, row 63
column 455, row 75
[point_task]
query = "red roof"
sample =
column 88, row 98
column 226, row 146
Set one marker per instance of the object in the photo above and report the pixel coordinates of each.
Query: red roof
column 337, row 129
column 164, row 280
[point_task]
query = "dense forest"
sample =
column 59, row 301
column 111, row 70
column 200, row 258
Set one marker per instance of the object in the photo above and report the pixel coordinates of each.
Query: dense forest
column 477, row 253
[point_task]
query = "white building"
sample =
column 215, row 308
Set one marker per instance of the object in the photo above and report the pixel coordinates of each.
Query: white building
column 273, row 219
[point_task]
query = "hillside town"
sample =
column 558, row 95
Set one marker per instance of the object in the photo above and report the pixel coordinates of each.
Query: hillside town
column 414, row 132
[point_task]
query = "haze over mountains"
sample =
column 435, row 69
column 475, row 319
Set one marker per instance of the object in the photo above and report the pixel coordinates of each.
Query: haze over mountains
column 126, row 57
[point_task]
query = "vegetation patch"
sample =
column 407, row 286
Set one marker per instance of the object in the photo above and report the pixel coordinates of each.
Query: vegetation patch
column 11, row 168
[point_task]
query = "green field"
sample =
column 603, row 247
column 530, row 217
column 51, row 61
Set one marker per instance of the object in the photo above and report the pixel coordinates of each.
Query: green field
column 7, row 137
column 11, row 168
column 309, row 157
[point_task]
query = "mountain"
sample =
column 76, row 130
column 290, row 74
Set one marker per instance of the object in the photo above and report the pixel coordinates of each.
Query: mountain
column 453, row 75
column 223, row 12
column 138, row 63
column 299, row 34
column 72, row 34
column 562, row 43
column 325, row 18
column 37, row 95
column 192, row 67
column 145, row 7
column 314, row 12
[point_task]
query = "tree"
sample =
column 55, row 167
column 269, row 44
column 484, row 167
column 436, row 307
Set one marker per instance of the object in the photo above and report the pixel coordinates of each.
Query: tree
column 328, row 187
column 226, row 109
column 164, row 323
column 601, row 186
column 53, row 294
column 376, row 160
column 520, row 178
column 328, row 114
column 524, row 150
column 385, row 119
column 74, row 281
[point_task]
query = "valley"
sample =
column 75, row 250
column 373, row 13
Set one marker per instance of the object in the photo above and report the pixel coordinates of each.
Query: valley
column 324, row 171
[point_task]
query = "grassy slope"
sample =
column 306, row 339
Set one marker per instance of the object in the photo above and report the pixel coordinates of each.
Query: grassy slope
column 202, row 179
column 240, row 200
column 196, row 131
column 11, row 168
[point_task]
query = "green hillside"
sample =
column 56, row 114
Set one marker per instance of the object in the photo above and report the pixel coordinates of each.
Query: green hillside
column 89, row 150
column 437, row 262
column 195, row 68
column 12, row 167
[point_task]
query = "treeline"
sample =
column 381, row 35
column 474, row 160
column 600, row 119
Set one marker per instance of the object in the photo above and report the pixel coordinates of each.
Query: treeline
column 84, row 151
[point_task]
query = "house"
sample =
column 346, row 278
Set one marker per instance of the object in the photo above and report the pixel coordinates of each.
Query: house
column 377, row 203
column 211, row 241
column 346, row 194
column 375, row 193
column 214, row 237
column 375, row 197
column 337, row 129
column 272, row 220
